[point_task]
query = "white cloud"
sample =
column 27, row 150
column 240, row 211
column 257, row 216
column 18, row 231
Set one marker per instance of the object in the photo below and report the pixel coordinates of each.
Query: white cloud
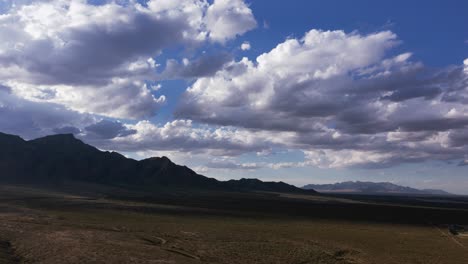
column 34, row 119
column 92, row 50
column 345, row 158
column 245, row 46
column 121, row 98
column 303, row 76
column 184, row 136
column 341, row 96
column 227, row 18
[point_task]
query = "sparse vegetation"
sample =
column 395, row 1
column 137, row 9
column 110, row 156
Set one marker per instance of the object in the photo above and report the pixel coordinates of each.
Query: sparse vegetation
column 38, row 226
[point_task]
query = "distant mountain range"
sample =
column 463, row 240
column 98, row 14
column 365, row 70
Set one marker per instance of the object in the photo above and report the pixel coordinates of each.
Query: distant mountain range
column 63, row 158
column 370, row 188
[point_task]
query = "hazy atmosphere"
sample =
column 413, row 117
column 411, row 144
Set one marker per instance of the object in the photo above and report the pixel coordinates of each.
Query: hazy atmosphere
column 296, row 91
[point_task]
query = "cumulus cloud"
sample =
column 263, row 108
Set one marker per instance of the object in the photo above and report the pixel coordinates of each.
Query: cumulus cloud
column 34, row 119
column 183, row 135
column 121, row 98
column 298, row 79
column 345, row 100
column 245, row 46
column 346, row 158
column 92, row 50
column 341, row 98
column 228, row 18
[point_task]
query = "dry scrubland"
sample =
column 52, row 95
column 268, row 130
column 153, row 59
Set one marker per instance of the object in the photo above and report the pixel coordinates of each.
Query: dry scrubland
column 49, row 227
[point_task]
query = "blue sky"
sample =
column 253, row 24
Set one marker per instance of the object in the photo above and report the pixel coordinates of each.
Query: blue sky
column 325, row 91
column 435, row 31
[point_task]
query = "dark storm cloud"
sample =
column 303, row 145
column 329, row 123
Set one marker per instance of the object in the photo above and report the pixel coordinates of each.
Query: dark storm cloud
column 459, row 138
column 96, row 52
column 435, row 124
column 67, row 130
column 206, row 65
column 4, row 89
column 106, row 129
column 32, row 119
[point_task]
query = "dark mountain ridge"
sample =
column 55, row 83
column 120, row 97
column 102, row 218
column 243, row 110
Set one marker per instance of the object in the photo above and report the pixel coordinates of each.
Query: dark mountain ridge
column 370, row 188
column 62, row 158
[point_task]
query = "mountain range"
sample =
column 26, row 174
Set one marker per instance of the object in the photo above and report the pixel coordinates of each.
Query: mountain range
column 63, row 158
column 370, row 188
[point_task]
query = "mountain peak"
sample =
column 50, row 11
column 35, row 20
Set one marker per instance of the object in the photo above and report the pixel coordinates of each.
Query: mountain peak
column 370, row 188
column 62, row 157
column 57, row 137
column 160, row 160
column 62, row 141
column 11, row 139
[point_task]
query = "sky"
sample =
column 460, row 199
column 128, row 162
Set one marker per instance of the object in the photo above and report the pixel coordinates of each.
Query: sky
column 298, row 91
